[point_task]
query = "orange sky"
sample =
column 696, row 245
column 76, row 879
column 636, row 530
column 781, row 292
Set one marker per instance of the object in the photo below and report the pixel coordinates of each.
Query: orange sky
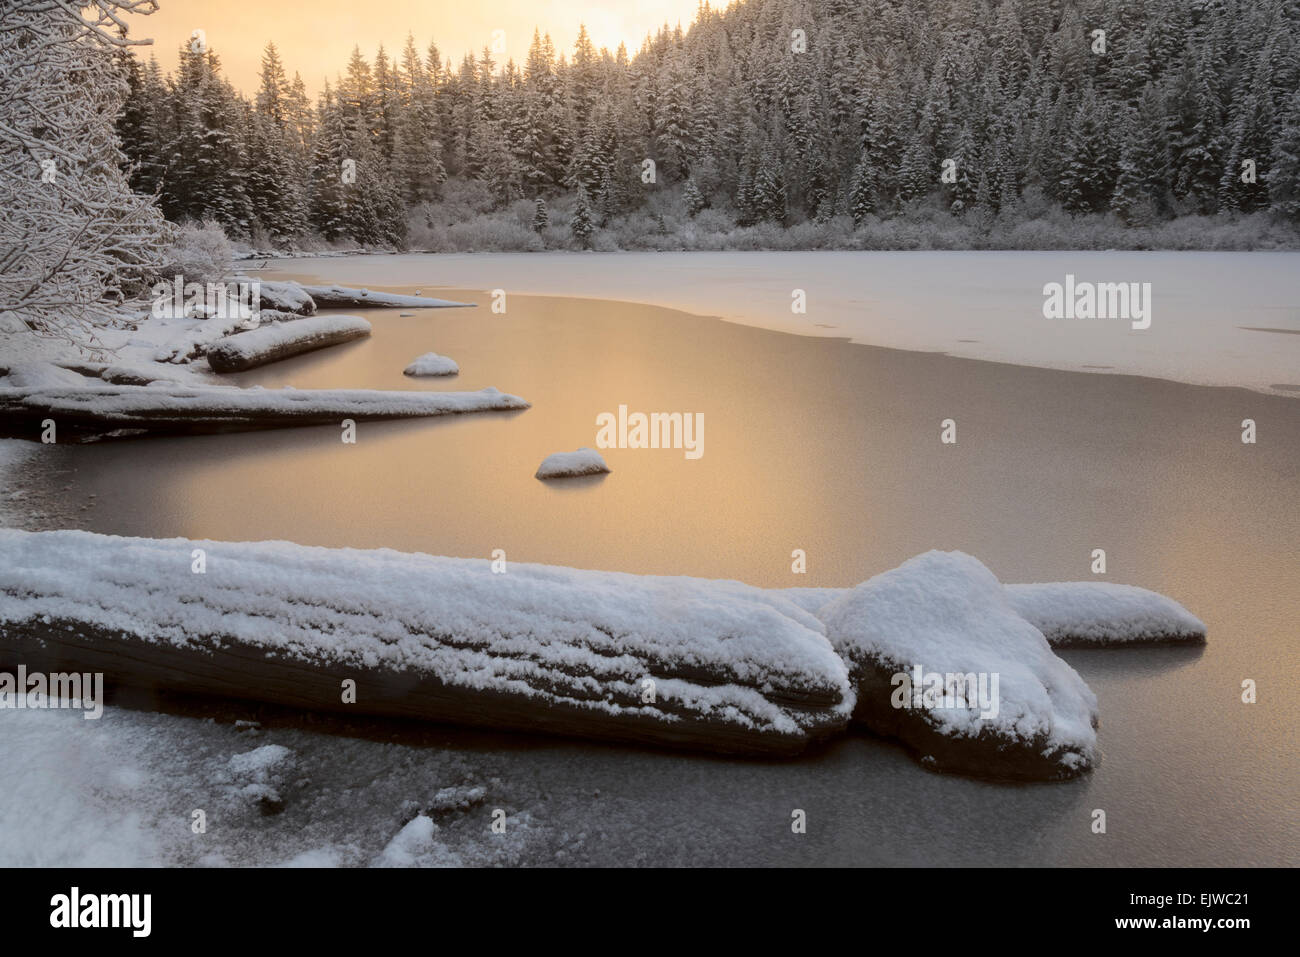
column 314, row 37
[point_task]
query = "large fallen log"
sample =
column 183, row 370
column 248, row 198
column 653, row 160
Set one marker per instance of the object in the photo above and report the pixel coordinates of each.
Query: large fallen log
column 281, row 340
column 92, row 411
column 667, row 661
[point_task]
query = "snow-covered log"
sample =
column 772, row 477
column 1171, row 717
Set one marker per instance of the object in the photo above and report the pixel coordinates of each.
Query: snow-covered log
column 1089, row 614
column 343, row 297
column 97, row 410
column 941, row 660
column 1075, row 614
column 668, row 661
column 270, row 343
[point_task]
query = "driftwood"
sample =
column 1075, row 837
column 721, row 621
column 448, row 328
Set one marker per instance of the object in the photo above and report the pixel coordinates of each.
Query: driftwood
column 563, row 705
column 93, row 411
column 257, row 347
column 344, row 297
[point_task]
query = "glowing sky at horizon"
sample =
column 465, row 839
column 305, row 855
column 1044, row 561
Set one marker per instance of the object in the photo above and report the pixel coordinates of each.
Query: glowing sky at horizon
column 315, row 37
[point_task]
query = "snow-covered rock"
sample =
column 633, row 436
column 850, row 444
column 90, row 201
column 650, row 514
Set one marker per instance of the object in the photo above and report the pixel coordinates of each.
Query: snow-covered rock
column 432, row 364
column 1007, row 705
column 1104, row 613
column 584, row 461
column 247, row 350
column 344, row 297
column 670, row 661
column 285, row 297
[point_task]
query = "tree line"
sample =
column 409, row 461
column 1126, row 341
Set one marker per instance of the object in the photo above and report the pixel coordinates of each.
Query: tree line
column 779, row 111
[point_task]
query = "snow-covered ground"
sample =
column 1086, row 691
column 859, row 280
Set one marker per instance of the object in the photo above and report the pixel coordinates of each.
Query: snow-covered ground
column 1228, row 319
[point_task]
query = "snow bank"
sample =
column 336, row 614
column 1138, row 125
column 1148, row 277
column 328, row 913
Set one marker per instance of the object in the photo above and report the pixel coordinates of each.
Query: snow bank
column 1103, row 613
column 584, row 461
column 945, row 614
column 247, row 350
column 432, row 364
column 343, row 297
column 102, row 409
column 676, row 661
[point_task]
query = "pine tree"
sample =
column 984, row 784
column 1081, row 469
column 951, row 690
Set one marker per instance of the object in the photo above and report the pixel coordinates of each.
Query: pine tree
column 542, row 217
column 694, row 199
column 581, row 225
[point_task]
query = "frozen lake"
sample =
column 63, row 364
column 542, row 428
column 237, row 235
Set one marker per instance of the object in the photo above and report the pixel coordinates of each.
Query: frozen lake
column 1215, row 318
column 810, row 443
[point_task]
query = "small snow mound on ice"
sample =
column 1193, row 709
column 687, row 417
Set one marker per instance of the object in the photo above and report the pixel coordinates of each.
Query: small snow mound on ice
column 584, row 461
column 259, row 762
column 1103, row 613
column 947, row 613
column 432, row 364
column 415, row 846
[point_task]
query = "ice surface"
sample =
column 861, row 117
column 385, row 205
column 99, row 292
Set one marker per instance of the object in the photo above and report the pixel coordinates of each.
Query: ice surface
column 978, row 305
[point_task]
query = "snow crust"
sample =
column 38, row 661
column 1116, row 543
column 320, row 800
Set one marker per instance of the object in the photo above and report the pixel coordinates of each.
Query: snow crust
column 584, row 461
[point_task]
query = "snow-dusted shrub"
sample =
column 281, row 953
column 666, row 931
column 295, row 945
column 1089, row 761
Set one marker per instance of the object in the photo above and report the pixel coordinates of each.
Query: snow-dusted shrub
column 76, row 244
column 197, row 253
